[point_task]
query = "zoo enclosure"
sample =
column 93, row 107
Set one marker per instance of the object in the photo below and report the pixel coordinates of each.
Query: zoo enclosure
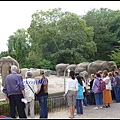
column 55, row 103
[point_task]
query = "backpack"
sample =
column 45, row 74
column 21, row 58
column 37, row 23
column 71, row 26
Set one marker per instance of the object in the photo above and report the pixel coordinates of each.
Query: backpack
column 102, row 85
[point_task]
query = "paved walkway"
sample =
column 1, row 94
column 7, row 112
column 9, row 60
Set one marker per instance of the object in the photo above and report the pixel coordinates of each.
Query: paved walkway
column 88, row 112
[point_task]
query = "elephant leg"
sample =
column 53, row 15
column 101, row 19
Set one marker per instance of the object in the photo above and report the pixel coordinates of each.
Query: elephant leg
column 5, row 71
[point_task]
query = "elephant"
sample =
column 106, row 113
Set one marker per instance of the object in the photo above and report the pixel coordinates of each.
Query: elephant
column 71, row 67
column 84, row 74
column 23, row 72
column 5, row 66
column 97, row 65
column 61, row 68
column 82, row 67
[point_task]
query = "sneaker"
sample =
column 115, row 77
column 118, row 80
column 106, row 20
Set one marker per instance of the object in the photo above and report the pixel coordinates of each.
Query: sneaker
column 105, row 106
column 95, row 108
column 100, row 107
column 108, row 105
column 75, row 111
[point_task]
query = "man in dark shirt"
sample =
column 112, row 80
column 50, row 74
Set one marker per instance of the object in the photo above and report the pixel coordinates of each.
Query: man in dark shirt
column 91, row 95
column 14, row 92
column 117, row 86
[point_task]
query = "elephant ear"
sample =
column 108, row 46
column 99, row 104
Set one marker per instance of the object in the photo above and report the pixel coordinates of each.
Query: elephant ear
column 112, row 65
column 2, row 60
column 12, row 61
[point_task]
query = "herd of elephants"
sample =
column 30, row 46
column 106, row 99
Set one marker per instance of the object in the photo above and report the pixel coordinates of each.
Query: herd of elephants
column 85, row 68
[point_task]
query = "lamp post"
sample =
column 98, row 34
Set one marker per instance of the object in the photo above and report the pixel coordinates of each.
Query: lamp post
column 64, row 77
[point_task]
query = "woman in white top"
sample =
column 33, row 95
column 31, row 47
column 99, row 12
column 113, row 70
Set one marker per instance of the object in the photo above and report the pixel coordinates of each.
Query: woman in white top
column 84, row 92
column 107, row 97
column 71, row 92
column 29, row 93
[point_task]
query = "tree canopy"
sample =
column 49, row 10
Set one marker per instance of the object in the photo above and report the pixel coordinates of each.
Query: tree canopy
column 64, row 37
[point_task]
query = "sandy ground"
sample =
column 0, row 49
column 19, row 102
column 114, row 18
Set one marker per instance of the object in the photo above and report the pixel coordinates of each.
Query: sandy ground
column 88, row 113
column 56, row 84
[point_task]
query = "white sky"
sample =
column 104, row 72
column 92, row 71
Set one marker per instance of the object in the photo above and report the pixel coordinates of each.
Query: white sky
column 17, row 14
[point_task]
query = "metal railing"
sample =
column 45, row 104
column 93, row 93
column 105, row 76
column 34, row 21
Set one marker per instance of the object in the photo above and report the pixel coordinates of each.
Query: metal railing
column 55, row 103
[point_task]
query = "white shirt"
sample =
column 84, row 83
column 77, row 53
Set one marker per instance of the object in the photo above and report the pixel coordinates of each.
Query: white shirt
column 71, row 85
column 28, row 92
column 84, row 85
column 108, row 86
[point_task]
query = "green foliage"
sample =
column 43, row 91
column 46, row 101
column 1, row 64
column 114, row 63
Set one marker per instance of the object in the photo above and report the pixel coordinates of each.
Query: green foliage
column 45, row 64
column 106, row 31
column 115, row 56
column 63, row 37
column 4, row 54
column 4, row 109
column 18, row 46
column 60, row 37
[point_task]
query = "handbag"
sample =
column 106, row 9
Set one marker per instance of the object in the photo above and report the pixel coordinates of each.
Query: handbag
column 35, row 95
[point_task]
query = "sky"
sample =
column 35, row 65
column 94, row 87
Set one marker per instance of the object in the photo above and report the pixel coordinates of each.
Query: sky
column 15, row 15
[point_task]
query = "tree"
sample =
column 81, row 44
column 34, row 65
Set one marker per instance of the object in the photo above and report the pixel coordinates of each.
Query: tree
column 19, row 46
column 115, row 56
column 106, row 30
column 3, row 54
column 60, row 37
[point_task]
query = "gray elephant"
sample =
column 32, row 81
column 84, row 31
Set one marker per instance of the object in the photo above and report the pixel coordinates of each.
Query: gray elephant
column 82, row 67
column 97, row 65
column 5, row 66
column 84, row 74
column 61, row 68
column 71, row 67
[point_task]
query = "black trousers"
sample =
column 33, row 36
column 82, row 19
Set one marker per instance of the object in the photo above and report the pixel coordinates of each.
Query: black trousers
column 15, row 102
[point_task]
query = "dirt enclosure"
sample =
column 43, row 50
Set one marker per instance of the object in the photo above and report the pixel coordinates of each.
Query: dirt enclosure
column 56, row 84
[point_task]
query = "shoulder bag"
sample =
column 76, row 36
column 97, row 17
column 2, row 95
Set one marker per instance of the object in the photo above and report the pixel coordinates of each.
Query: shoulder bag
column 35, row 95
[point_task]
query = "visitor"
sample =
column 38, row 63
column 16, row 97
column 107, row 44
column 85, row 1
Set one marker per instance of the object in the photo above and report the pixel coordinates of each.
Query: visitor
column 97, row 94
column 117, row 86
column 91, row 94
column 43, row 95
column 30, row 85
column 107, row 97
column 71, row 92
column 85, row 92
column 80, row 96
column 14, row 92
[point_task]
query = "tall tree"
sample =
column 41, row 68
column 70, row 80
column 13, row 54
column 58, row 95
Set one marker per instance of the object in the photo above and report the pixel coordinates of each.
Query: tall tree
column 61, row 36
column 18, row 46
column 106, row 30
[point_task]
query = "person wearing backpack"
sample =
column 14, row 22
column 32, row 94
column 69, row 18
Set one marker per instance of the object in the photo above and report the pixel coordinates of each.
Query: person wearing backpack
column 97, row 93
column 107, row 97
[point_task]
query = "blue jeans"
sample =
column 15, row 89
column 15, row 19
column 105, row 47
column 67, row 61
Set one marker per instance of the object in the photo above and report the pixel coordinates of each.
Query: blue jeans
column 79, row 106
column 113, row 93
column 98, row 98
column 117, row 93
column 85, row 101
column 43, row 106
